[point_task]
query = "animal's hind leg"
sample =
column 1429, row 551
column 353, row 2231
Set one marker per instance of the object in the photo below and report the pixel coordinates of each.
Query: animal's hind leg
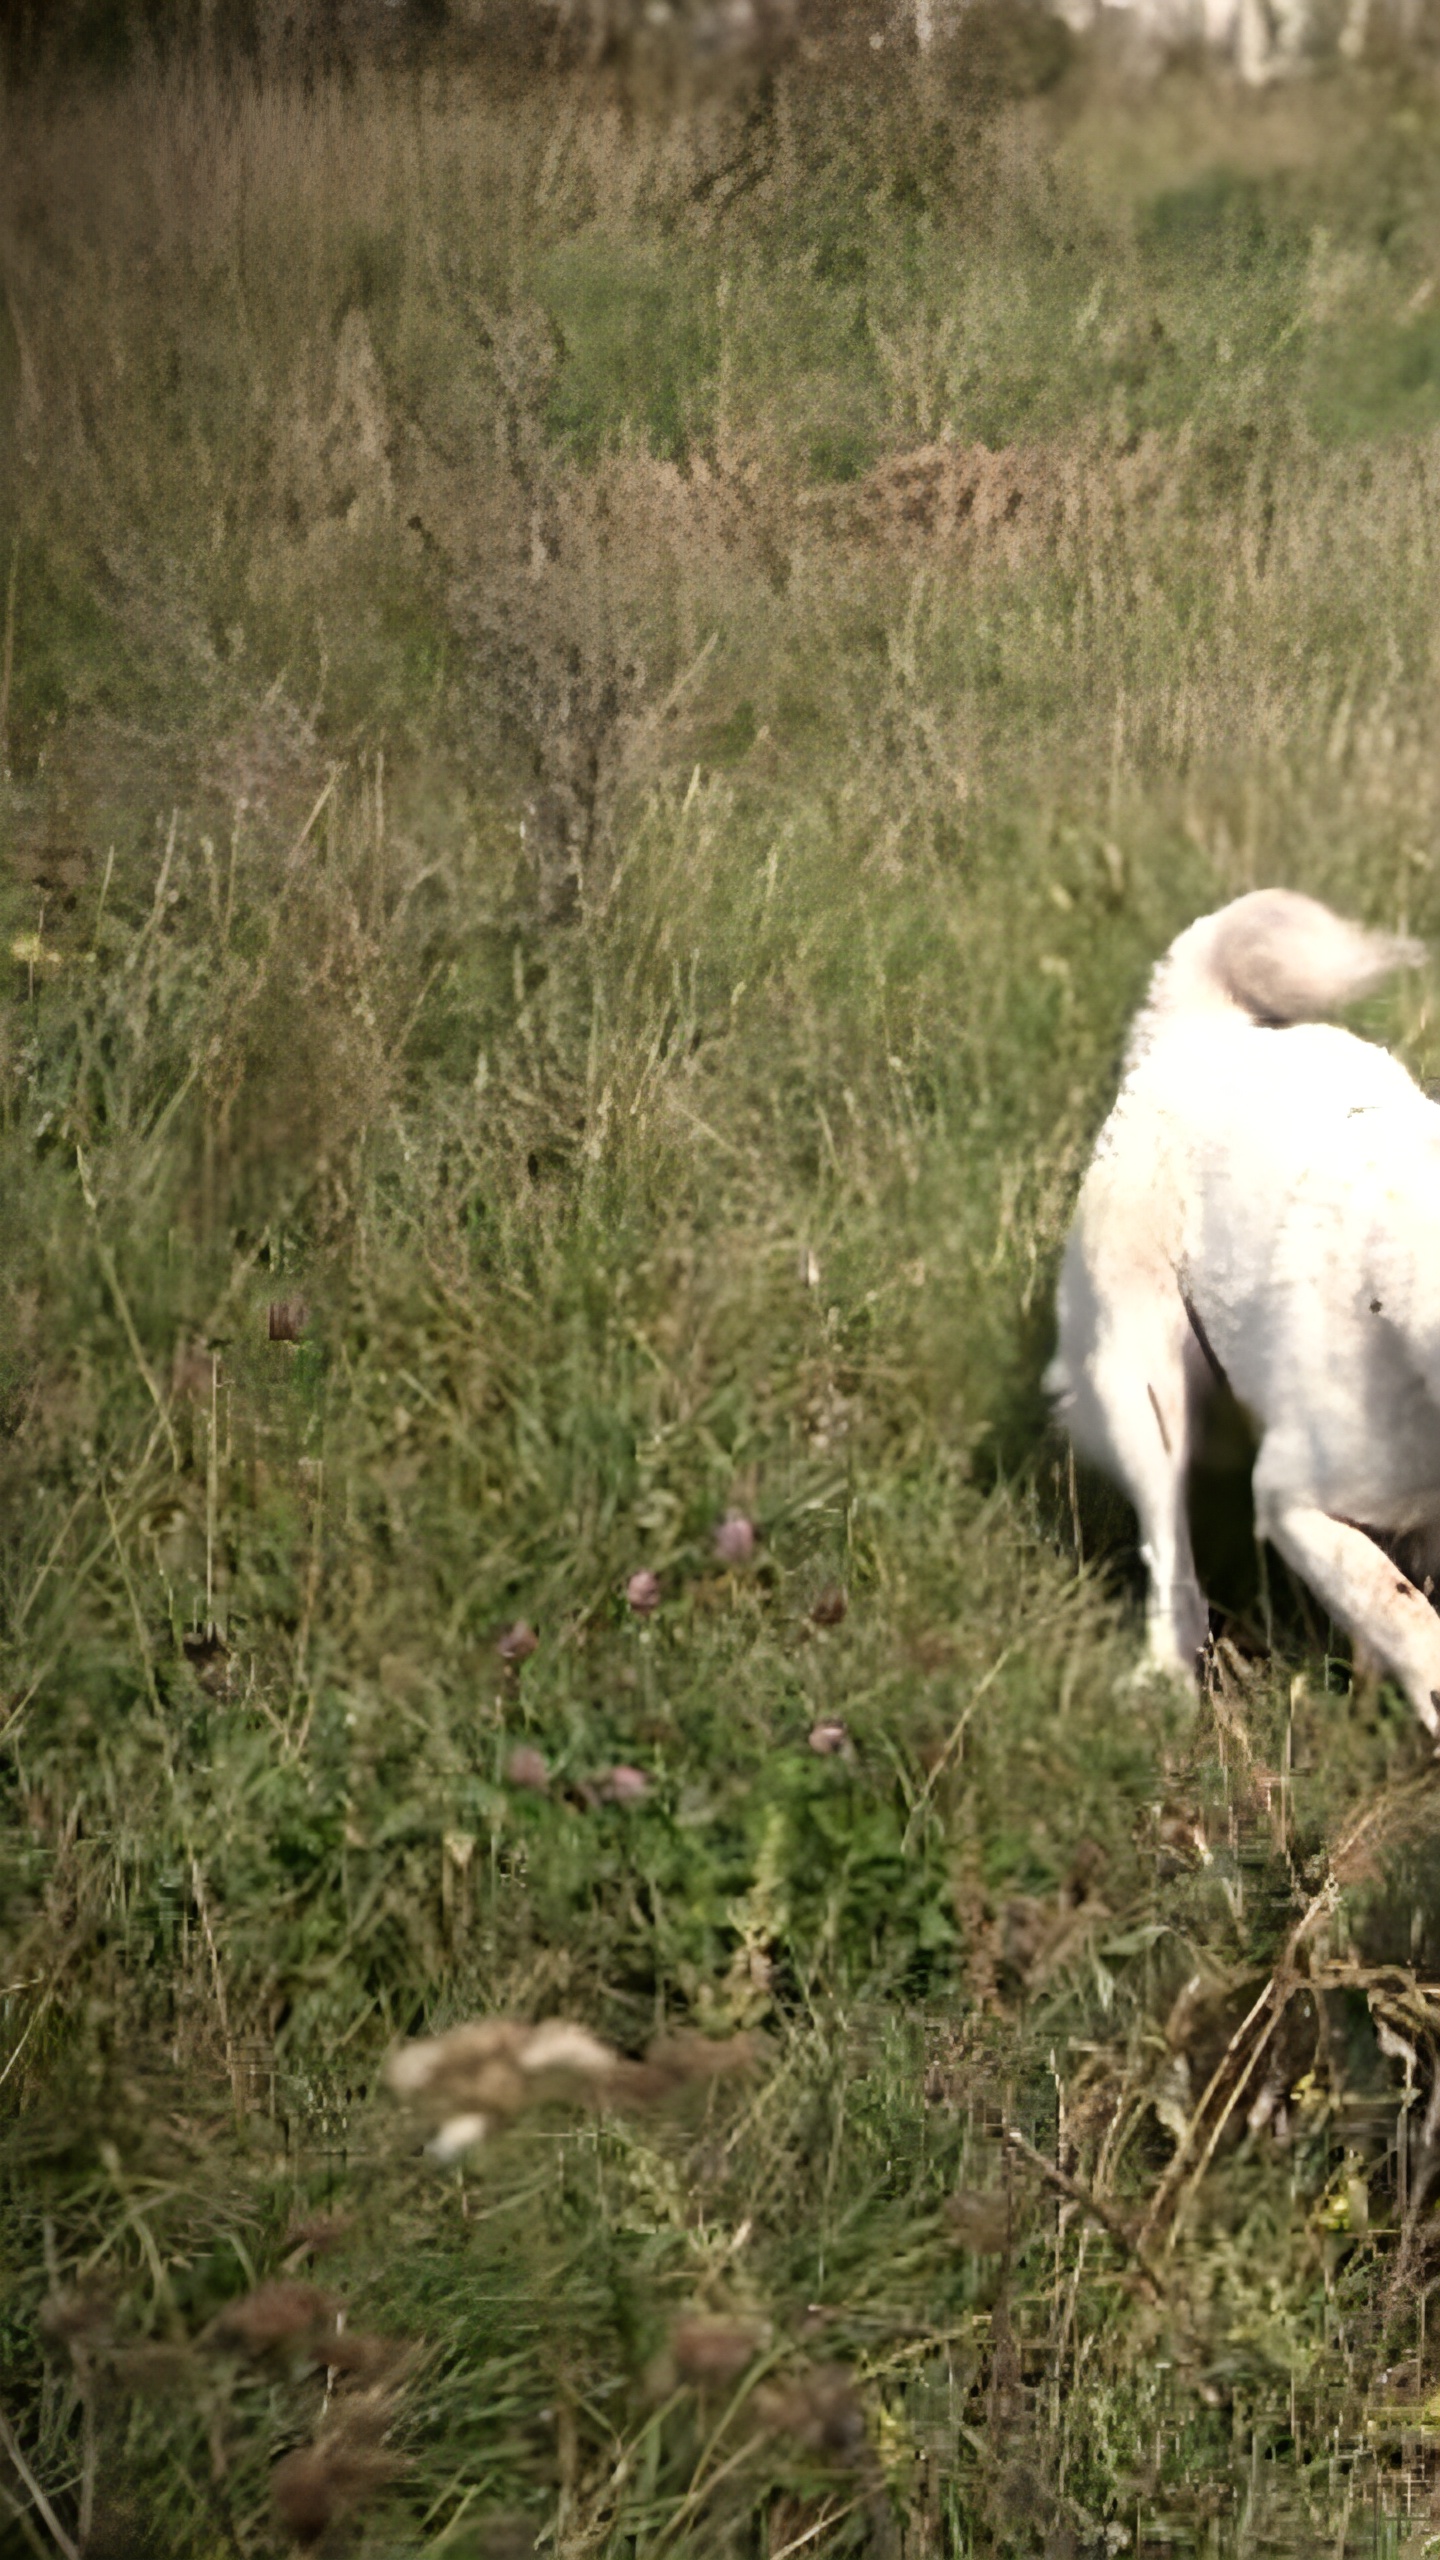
column 1143, row 1377
column 1377, row 1603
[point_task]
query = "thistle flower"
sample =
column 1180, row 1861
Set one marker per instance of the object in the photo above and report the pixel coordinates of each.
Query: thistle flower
column 623, row 1785
column 735, row 1539
column 828, row 1737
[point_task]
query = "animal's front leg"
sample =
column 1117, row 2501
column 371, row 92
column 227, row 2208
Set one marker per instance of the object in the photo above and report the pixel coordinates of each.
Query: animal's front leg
column 1177, row 1620
column 1373, row 1600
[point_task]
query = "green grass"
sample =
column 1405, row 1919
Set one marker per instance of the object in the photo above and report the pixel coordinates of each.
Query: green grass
column 495, row 852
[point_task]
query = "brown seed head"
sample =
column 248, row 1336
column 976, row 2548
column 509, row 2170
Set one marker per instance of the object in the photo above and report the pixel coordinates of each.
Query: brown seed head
column 319, row 2483
column 288, row 1319
column 829, row 1606
column 317, row 2233
column 818, row 2408
column 715, row 2350
column 516, row 1643
column 361, row 2355
column 304, row 2493
column 281, row 2314
column 675, row 2062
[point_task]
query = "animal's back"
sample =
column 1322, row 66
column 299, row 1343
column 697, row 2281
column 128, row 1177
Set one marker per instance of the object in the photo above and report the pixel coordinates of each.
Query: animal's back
column 1232, row 1096
column 1299, row 1147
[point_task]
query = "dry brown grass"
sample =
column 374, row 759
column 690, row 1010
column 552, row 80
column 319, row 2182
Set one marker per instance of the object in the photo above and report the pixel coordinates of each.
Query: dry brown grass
column 533, row 1176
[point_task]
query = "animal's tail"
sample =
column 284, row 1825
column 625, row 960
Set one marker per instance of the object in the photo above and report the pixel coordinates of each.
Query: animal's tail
column 1277, row 956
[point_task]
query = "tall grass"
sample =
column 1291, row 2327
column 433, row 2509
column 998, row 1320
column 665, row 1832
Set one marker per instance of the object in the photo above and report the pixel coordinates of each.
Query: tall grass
column 571, row 907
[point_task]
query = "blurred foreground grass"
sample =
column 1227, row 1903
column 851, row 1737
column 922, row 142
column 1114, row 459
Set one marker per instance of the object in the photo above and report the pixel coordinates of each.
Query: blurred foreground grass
column 606, row 697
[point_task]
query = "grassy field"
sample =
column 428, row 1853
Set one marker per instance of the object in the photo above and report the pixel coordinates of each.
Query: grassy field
column 609, row 684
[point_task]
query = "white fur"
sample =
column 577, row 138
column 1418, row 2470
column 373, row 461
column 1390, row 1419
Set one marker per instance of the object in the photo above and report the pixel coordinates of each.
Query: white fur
column 1264, row 1200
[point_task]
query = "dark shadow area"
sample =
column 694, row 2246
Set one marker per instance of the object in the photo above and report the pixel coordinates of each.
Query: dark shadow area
column 1254, row 1599
column 1007, row 48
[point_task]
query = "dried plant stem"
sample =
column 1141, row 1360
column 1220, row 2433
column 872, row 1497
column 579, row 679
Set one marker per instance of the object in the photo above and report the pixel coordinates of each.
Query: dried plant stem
column 142, row 1642
column 1105, row 2215
column 296, row 1741
column 7, row 656
column 222, row 2009
column 82, row 1571
column 1390, row 1815
column 43, row 2508
column 106, row 1260
column 703, row 2487
column 89, row 2454
column 956, row 1737
column 1424, row 2169
column 138, row 956
column 212, row 1495
column 31, row 2023
column 1274, row 1998
column 53, row 1550
column 830, row 2516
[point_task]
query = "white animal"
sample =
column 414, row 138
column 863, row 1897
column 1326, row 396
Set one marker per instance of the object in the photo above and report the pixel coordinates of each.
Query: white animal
column 1263, row 1206
column 1262, row 38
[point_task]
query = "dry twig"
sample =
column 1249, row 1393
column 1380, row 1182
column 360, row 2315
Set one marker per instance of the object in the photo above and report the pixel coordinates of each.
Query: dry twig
column 1099, row 2212
column 1391, row 1816
column 10, row 2444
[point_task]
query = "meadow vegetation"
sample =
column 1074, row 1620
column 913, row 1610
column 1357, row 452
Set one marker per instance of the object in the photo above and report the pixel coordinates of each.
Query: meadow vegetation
column 610, row 680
